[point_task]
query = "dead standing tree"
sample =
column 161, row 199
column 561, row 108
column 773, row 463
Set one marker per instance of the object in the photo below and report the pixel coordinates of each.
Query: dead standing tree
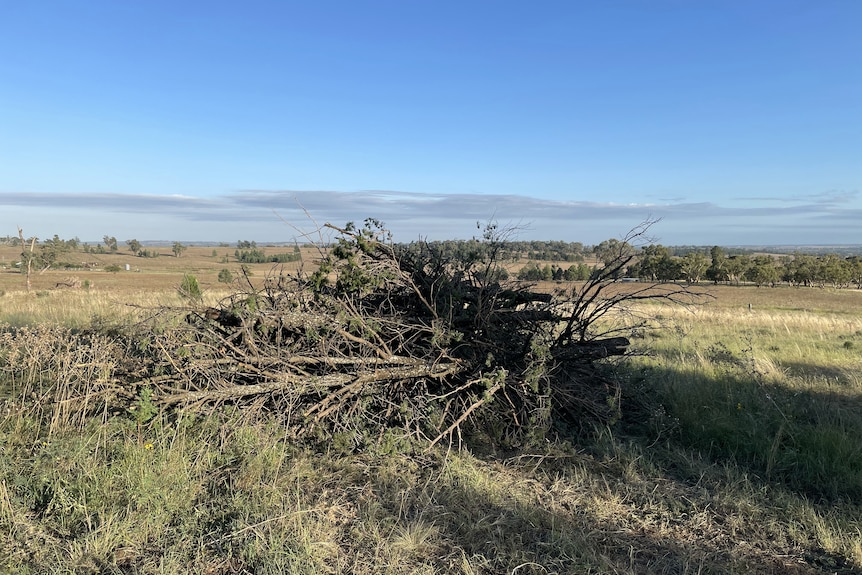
column 383, row 336
column 26, row 257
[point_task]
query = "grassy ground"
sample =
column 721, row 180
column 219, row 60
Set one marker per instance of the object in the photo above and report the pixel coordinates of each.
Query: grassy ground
column 738, row 452
column 150, row 274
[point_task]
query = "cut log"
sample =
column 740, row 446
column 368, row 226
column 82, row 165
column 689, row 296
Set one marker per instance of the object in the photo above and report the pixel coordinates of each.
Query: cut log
column 592, row 350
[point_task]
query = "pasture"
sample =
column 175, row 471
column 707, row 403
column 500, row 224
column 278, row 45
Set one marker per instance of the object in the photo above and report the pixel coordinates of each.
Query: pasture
column 737, row 451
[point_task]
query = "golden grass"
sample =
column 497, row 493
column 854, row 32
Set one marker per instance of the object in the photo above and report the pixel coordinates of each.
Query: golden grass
column 161, row 273
column 81, row 308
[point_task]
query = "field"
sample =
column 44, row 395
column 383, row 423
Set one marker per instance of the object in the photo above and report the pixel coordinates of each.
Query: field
column 737, row 452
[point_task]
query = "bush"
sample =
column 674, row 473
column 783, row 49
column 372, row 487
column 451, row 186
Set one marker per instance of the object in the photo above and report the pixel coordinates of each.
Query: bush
column 225, row 276
column 189, row 288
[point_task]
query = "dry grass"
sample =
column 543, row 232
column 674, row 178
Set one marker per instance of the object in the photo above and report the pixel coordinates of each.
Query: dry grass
column 732, row 416
column 161, row 273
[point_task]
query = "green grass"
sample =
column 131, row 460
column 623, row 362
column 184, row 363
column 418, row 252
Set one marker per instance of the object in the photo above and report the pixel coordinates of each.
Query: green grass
column 778, row 394
column 738, row 452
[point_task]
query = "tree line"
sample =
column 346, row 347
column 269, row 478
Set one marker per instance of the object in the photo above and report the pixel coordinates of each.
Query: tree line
column 653, row 262
column 55, row 252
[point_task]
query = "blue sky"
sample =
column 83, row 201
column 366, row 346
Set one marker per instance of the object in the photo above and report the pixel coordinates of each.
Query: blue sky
column 733, row 121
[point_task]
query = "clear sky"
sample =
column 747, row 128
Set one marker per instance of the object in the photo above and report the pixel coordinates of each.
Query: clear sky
column 734, row 121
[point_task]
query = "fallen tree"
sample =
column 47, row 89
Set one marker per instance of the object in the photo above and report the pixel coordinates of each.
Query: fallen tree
column 383, row 336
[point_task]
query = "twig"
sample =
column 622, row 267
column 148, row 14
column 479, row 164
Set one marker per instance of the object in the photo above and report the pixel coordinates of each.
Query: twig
column 491, row 391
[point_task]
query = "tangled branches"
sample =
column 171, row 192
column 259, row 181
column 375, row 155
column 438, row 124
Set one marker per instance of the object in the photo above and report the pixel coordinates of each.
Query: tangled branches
column 383, row 336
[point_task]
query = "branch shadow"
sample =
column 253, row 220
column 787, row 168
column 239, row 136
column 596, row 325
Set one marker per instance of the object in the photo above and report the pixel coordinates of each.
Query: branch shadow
column 584, row 515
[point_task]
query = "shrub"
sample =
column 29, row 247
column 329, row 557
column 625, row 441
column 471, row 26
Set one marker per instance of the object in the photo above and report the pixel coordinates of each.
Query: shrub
column 189, row 288
column 224, row 276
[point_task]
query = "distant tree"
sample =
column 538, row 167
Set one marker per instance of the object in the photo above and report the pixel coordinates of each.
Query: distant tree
column 250, row 256
column 855, row 266
column 669, row 269
column 736, row 267
column 113, row 268
column 530, row 272
column 610, row 251
column 225, row 276
column 800, row 269
column 110, row 243
column 27, row 256
column 716, row 271
column 577, row 272
column 763, row 271
column 654, row 258
column 558, row 273
column 50, row 252
column 692, row 266
column 835, row 270
column 134, row 246
column 178, row 249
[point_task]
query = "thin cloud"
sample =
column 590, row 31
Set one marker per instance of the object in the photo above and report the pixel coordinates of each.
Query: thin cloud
column 827, row 198
column 114, row 202
column 437, row 216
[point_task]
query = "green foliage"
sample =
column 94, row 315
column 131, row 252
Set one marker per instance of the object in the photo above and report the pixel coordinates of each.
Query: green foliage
column 532, row 272
column 134, row 245
column 716, row 271
column 345, row 259
column 189, row 288
column 145, row 408
column 577, row 272
column 693, row 266
column 50, row 252
column 113, row 268
column 762, row 271
column 178, row 249
column 656, row 263
column 258, row 256
column 613, row 250
column 225, row 276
